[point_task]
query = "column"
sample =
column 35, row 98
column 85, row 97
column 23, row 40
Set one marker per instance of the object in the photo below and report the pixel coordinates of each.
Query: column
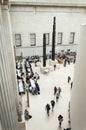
column 8, row 114
column 44, row 50
column 53, row 38
column 9, row 46
column 78, row 96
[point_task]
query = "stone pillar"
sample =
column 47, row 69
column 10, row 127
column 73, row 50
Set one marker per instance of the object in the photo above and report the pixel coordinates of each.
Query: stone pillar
column 53, row 38
column 44, row 50
column 78, row 96
column 8, row 114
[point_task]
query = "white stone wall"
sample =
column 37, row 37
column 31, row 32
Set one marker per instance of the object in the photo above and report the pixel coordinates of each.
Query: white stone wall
column 78, row 95
column 39, row 20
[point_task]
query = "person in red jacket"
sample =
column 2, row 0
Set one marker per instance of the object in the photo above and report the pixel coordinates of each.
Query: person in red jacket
column 60, row 119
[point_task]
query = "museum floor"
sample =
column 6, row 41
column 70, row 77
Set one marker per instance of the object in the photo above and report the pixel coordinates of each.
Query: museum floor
column 40, row 120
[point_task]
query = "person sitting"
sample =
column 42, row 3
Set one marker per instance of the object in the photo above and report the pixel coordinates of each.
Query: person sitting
column 36, row 91
column 26, row 115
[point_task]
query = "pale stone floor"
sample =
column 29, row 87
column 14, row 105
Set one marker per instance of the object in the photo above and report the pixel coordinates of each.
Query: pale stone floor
column 40, row 120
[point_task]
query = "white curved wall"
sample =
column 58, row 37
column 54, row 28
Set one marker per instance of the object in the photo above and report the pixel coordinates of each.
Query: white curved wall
column 78, row 99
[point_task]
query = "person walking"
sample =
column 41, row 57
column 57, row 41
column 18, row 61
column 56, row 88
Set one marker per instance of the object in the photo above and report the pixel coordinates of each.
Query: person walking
column 60, row 119
column 65, row 61
column 54, row 67
column 59, row 90
column 57, row 96
column 69, row 78
column 52, row 104
column 47, row 108
column 55, row 90
column 71, row 84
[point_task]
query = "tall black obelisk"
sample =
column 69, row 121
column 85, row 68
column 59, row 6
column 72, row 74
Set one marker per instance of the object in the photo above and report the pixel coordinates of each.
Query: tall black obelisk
column 44, row 50
column 53, row 38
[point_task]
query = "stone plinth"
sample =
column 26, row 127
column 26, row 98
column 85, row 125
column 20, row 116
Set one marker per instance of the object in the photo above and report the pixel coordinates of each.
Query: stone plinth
column 52, row 63
column 45, row 70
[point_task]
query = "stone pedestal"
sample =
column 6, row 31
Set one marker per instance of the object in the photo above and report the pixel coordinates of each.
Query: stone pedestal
column 45, row 70
column 52, row 63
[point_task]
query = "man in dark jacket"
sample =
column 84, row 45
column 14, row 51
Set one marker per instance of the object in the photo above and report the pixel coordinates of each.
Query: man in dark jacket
column 52, row 104
column 47, row 109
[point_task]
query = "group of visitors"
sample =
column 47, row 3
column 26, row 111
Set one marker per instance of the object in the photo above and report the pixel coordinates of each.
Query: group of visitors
column 20, row 77
column 32, row 78
column 60, row 117
column 27, row 78
column 57, row 92
column 67, row 57
column 50, row 106
column 34, row 59
column 68, row 61
column 47, row 108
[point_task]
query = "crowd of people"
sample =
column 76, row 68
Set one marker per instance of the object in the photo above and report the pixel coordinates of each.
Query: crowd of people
column 67, row 57
column 32, row 78
column 20, row 77
column 27, row 78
